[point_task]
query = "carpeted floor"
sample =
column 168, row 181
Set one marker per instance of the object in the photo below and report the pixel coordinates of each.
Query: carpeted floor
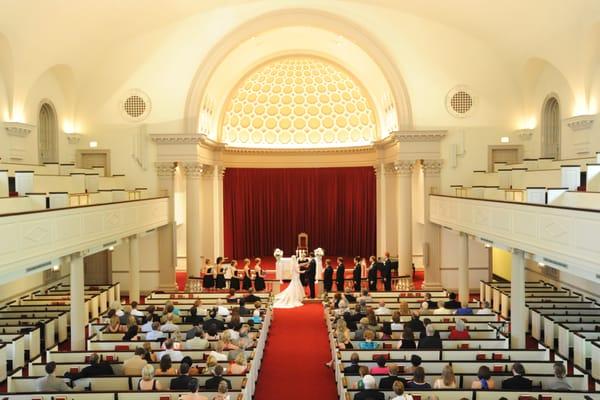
column 297, row 348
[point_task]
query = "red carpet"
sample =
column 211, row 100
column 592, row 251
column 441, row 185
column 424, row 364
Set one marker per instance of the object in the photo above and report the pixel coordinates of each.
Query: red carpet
column 296, row 350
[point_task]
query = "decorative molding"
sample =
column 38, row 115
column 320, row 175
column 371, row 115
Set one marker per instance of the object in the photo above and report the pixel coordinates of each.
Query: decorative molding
column 219, row 171
column 524, row 134
column 413, row 136
column 302, row 150
column 165, row 169
column 196, row 170
column 403, row 167
column 581, row 122
column 194, row 138
column 432, row 167
column 73, row 138
column 20, row 129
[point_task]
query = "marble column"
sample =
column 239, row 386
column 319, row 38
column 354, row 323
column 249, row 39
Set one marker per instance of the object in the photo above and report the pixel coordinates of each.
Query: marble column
column 78, row 311
column 134, row 269
column 194, row 172
column 218, row 233
column 381, row 210
column 167, row 234
column 403, row 170
column 463, row 267
column 517, row 300
column 431, row 231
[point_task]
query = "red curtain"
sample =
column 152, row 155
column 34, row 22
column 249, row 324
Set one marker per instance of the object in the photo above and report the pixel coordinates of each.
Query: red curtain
column 267, row 208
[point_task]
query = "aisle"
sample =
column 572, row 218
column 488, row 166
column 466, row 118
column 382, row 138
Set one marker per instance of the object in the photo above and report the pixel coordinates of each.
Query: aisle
column 292, row 366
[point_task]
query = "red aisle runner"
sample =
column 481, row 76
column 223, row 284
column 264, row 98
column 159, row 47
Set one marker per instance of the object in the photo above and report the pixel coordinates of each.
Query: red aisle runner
column 297, row 348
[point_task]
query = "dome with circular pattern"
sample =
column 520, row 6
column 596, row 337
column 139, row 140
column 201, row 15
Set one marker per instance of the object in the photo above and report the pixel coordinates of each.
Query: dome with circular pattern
column 298, row 102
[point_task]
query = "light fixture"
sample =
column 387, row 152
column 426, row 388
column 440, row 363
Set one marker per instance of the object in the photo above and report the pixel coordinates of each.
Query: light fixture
column 55, row 267
column 488, row 245
column 504, row 139
column 93, row 144
column 541, row 264
column 111, row 248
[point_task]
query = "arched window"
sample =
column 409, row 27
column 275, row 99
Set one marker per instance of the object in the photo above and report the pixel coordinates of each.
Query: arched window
column 551, row 128
column 47, row 134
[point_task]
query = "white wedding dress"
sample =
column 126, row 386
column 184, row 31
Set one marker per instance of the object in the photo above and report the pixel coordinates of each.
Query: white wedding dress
column 293, row 295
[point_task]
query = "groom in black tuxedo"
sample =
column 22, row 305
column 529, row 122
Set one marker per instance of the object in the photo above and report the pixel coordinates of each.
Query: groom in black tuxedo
column 310, row 274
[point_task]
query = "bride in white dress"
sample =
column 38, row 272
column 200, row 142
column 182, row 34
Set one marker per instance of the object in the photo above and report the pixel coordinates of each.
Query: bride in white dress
column 293, row 295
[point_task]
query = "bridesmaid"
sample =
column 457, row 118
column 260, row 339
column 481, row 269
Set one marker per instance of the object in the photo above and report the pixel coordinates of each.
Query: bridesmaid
column 208, row 280
column 357, row 274
column 259, row 279
column 340, row 274
column 234, row 282
column 220, row 271
column 328, row 276
column 372, row 274
column 247, row 282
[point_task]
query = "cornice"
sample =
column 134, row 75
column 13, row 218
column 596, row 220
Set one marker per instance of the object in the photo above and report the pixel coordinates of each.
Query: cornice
column 581, row 122
column 185, row 138
column 18, row 128
column 432, row 167
column 325, row 150
column 419, row 135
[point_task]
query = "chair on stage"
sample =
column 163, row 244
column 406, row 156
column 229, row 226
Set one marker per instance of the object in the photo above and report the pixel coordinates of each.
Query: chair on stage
column 302, row 247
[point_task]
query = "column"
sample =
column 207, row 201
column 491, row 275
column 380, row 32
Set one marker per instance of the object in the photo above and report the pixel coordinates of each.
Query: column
column 78, row 311
column 218, row 233
column 431, row 231
column 463, row 267
column 193, row 223
column 134, row 269
column 381, row 210
column 167, row 234
column 517, row 300
column 403, row 171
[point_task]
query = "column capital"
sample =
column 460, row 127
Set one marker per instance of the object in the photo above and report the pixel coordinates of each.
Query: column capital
column 219, row 171
column 165, row 169
column 432, row 167
column 403, row 167
column 197, row 170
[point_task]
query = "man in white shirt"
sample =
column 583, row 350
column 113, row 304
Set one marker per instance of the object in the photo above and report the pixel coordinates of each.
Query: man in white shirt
column 222, row 311
column 175, row 355
column 382, row 310
column 441, row 309
column 134, row 311
column 155, row 333
column 198, row 342
column 169, row 326
column 147, row 327
column 485, row 309
column 218, row 352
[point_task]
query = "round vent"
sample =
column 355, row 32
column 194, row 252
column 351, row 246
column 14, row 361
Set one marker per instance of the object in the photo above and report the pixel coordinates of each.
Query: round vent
column 136, row 106
column 460, row 102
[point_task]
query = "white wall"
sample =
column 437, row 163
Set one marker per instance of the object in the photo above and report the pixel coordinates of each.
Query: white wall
column 149, row 266
column 478, row 262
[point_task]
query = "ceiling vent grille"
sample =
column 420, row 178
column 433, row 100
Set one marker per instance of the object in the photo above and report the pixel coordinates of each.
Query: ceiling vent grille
column 460, row 102
column 135, row 106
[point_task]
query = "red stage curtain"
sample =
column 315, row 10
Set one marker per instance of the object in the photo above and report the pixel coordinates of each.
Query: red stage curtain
column 266, row 208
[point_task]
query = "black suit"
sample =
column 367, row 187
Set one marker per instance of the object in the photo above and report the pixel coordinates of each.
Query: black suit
column 416, row 325
column 452, row 304
column 352, row 369
column 369, row 394
column 339, row 277
column 388, row 382
column 430, row 342
column 100, row 369
column 372, row 275
column 220, row 325
column 517, row 382
column 356, row 276
column 182, row 382
column 213, row 383
column 328, row 279
column 387, row 274
column 251, row 299
column 309, row 275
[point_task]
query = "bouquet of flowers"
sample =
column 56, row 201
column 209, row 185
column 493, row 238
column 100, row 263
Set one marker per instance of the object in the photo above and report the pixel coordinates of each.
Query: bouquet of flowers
column 319, row 252
column 278, row 253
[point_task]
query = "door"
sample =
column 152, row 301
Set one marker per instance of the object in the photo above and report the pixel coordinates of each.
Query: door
column 94, row 158
column 98, row 268
column 504, row 154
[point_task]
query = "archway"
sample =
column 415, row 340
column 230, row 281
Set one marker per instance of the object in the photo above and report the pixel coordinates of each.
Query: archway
column 47, row 134
column 551, row 128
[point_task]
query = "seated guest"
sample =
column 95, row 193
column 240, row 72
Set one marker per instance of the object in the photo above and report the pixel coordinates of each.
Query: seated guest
column 231, row 297
column 240, row 366
column 460, row 331
column 386, row 331
column 116, row 306
column 211, row 363
column 370, row 391
column 244, row 311
column 213, row 383
column 396, row 324
column 212, row 333
column 364, row 296
column 372, row 321
column 97, row 367
column 193, row 370
column 382, row 309
column 425, row 310
column 222, row 311
column 452, row 304
column 415, row 361
column 430, row 341
column 149, row 356
column 184, row 380
column 245, row 341
column 114, row 325
column 368, row 343
column 213, row 321
column 398, row 388
column 174, row 354
column 218, row 352
column 361, row 329
column 485, row 309
column 227, row 342
column 222, row 391
column 559, row 382
column 256, row 314
column 380, row 369
column 350, row 298
column 148, row 383
column 134, row 311
column 155, row 333
column 484, row 379
column 126, row 314
column 418, row 380
column 50, row 383
column 199, row 342
column 194, row 395
column 415, row 324
column 432, row 305
column 146, row 325
column 441, row 309
column 362, row 372
column 190, row 334
column 166, row 366
column 408, row 339
column 354, row 366
column 518, row 381
column 131, row 333
column 194, row 318
column 427, row 322
column 251, row 298
column 169, row 326
column 447, row 380
column 134, row 365
column 464, row 309
column 150, row 313
column 387, row 383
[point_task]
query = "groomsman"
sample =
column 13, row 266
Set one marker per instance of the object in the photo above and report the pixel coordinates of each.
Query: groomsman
column 386, row 272
column 357, row 273
column 311, row 274
column 340, row 274
column 328, row 276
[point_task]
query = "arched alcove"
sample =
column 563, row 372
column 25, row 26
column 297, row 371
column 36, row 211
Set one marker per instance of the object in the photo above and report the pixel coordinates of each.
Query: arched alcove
column 47, row 134
column 551, row 128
